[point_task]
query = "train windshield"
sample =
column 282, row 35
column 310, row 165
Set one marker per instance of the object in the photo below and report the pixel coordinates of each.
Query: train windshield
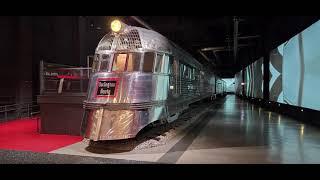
column 126, row 62
column 119, row 62
column 101, row 62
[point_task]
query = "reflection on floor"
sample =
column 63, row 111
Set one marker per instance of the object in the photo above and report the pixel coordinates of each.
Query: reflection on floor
column 234, row 132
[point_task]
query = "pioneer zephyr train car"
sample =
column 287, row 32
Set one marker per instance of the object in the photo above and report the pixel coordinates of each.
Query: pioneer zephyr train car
column 140, row 77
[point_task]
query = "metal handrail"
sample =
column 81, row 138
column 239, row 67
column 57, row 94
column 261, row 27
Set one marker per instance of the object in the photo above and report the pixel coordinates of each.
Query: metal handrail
column 20, row 108
column 19, row 104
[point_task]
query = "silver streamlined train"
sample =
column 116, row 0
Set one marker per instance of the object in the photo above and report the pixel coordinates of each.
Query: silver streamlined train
column 141, row 77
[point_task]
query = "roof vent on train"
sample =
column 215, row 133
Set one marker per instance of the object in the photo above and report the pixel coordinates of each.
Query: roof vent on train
column 130, row 40
column 127, row 40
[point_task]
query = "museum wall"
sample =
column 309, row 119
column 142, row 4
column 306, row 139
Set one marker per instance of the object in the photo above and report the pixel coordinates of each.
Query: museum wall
column 26, row 40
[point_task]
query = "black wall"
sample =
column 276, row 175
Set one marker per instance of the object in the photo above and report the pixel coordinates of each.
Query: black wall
column 283, row 28
column 26, row 40
column 8, row 59
column 272, row 33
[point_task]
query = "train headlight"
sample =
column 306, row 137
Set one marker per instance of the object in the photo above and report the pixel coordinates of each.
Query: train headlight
column 116, row 26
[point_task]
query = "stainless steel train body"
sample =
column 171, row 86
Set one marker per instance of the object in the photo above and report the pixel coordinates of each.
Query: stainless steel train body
column 140, row 77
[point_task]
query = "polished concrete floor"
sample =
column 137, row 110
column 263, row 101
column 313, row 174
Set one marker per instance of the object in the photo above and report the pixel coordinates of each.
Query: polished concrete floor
column 232, row 131
column 240, row 132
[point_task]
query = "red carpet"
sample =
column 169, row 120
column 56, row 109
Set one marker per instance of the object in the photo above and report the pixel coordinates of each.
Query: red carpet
column 22, row 135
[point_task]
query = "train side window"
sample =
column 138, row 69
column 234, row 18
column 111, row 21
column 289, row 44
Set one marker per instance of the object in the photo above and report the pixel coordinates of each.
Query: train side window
column 104, row 62
column 158, row 63
column 133, row 62
column 192, row 73
column 175, row 67
column 183, row 70
column 196, row 74
column 119, row 63
column 201, row 75
column 104, row 65
column 171, row 66
column 95, row 63
column 148, row 61
column 165, row 64
column 186, row 72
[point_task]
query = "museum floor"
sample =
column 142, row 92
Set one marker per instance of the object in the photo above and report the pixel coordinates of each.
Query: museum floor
column 231, row 130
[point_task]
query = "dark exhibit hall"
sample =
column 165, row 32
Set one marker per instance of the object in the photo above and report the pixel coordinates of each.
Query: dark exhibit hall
column 159, row 90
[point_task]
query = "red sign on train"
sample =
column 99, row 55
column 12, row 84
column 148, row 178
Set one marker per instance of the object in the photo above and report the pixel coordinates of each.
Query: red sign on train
column 107, row 87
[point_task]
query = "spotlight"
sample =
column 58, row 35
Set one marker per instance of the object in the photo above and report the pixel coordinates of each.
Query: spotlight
column 116, row 26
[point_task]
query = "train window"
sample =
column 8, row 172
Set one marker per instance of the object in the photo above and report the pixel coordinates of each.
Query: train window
column 175, row 67
column 158, row 63
column 133, row 63
column 100, row 62
column 197, row 75
column 95, row 63
column 171, row 66
column 193, row 74
column 104, row 62
column 182, row 70
column 186, row 72
column 104, row 65
column 148, row 61
column 165, row 66
column 202, row 75
column 119, row 62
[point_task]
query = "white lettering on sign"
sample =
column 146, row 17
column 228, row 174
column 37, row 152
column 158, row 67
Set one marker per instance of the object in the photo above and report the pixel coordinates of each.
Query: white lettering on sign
column 50, row 73
column 106, row 88
column 105, row 91
column 107, row 84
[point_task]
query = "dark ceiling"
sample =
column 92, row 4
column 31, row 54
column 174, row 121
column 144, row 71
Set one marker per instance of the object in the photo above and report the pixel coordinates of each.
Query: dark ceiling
column 211, row 39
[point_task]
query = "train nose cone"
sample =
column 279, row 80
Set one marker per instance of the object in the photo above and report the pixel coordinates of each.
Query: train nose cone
column 104, row 124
